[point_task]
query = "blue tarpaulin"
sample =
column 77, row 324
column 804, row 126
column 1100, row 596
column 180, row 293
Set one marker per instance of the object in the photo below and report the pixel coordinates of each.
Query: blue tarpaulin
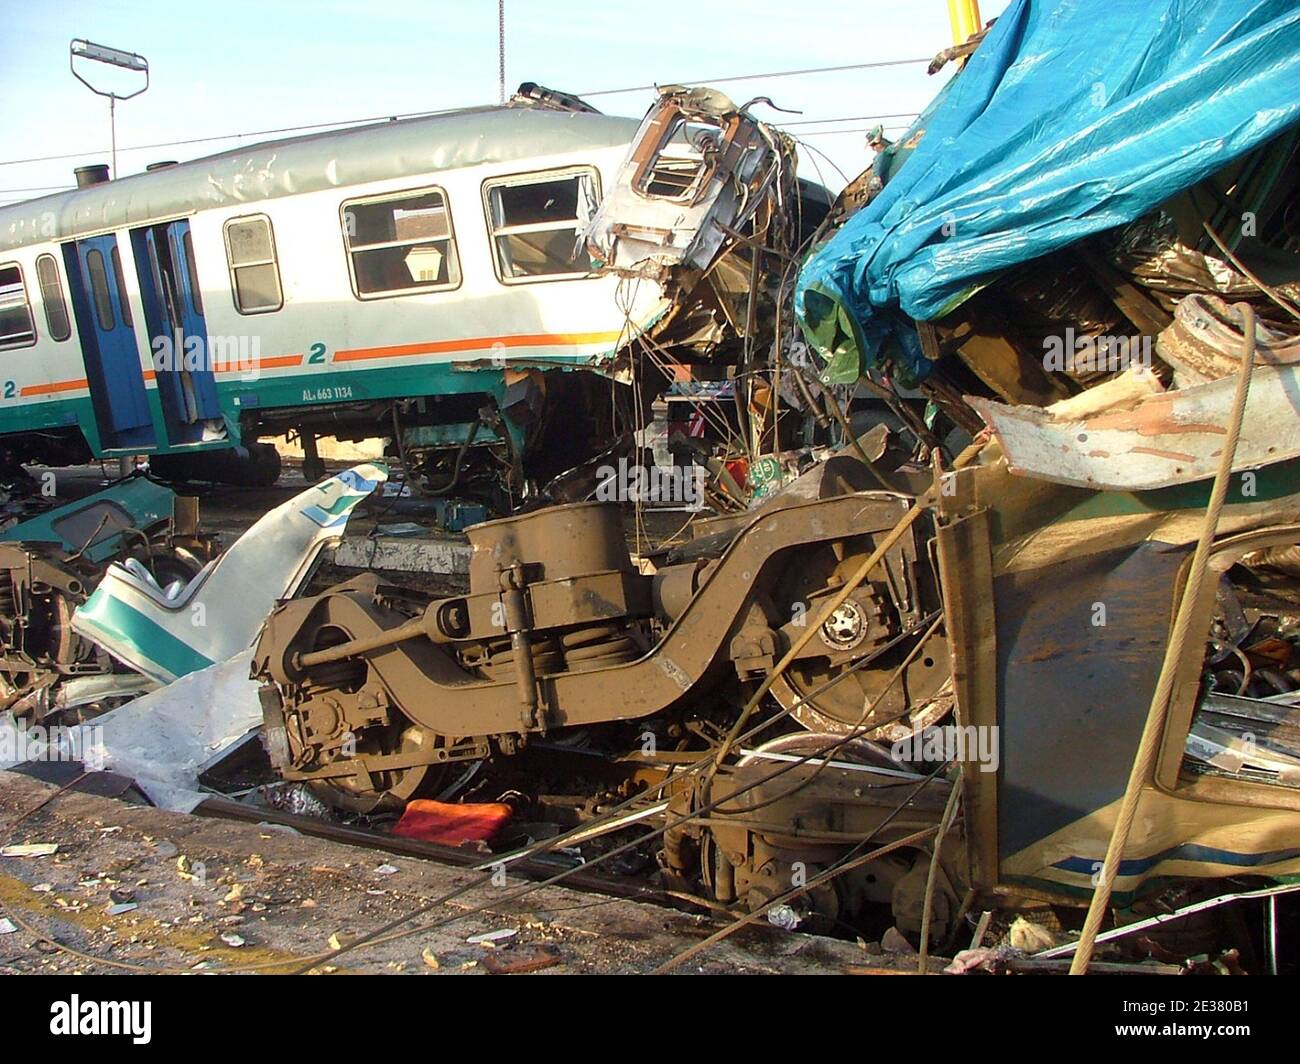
column 1072, row 117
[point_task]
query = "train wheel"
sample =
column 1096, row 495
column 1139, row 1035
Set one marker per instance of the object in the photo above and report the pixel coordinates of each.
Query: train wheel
column 388, row 790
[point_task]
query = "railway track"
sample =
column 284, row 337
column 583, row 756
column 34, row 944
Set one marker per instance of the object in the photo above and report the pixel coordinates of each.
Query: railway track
column 534, row 868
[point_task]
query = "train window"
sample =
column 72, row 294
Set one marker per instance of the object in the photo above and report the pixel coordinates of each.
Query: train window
column 99, row 289
column 120, row 278
column 681, row 162
column 400, row 244
column 254, row 272
column 56, row 309
column 17, row 329
column 191, row 268
column 535, row 220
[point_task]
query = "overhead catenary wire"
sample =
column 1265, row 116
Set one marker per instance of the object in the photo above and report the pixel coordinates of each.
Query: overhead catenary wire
column 388, row 932
column 868, row 710
column 837, row 600
column 849, row 118
column 344, row 123
column 856, row 130
column 932, row 876
column 236, row 136
column 306, row 127
column 835, row 870
column 759, row 77
column 814, row 153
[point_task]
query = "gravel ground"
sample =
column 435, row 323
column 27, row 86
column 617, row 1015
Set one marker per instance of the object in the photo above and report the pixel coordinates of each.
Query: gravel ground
column 214, row 896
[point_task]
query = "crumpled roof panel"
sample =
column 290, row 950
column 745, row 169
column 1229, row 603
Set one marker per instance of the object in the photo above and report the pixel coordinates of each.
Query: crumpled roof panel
column 337, row 158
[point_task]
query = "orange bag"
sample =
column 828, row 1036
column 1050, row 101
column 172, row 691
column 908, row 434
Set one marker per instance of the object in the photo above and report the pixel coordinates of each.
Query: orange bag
column 449, row 823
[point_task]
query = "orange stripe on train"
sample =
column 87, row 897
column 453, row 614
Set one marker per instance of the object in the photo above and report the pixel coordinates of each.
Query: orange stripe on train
column 56, row 386
column 277, row 362
column 431, row 347
column 477, row 343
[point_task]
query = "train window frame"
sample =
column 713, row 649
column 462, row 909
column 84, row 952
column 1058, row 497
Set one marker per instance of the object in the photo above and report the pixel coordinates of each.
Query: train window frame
column 102, row 308
column 1170, row 775
column 59, row 300
column 27, row 305
column 191, row 265
column 273, row 261
column 534, row 177
column 668, row 158
column 455, row 272
column 119, row 282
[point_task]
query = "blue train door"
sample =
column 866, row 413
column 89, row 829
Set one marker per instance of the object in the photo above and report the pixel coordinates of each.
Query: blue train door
column 178, row 332
column 108, row 343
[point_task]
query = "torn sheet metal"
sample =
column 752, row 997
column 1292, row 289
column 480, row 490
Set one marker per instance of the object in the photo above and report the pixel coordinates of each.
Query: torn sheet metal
column 1171, row 438
column 169, row 632
column 1151, row 252
column 87, row 690
column 699, row 167
column 163, row 739
column 1231, row 753
column 97, row 526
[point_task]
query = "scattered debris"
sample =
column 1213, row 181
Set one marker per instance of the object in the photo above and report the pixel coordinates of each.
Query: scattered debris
column 521, row 962
column 894, row 941
column 29, row 849
column 1028, row 937
column 491, row 938
column 48, row 565
column 165, row 738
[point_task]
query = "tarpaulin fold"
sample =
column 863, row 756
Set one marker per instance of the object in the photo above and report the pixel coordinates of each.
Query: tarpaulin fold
column 1072, row 117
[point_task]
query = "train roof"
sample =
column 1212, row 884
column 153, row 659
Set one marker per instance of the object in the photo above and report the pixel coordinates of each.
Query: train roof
column 339, row 158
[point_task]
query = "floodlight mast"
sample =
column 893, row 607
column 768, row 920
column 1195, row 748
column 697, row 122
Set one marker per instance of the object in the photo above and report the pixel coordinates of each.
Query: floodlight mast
column 99, row 53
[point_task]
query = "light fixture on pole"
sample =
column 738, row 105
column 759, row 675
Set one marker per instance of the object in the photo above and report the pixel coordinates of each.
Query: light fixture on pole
column 82, row 49
column 501, row 50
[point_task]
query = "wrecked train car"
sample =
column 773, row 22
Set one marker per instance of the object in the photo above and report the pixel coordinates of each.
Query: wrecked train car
column 919, row 679
column 1048, row 259
column 421, row 280
column 1024, row 595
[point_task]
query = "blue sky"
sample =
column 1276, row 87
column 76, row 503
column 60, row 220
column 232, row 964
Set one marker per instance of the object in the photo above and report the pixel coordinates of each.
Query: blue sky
column 227, row 66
